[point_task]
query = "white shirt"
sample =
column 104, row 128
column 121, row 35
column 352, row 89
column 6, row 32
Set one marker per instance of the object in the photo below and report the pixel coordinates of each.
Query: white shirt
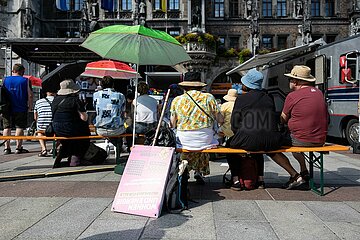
column 146, row 109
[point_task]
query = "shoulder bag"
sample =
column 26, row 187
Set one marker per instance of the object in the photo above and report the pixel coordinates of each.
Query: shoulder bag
column 49, row 131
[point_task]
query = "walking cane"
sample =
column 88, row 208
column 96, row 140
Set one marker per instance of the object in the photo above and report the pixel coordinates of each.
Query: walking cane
column 161, row 117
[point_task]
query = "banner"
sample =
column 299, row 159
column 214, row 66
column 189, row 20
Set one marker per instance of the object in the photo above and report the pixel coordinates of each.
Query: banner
column 142, row 185
column 63, row 5
column 107, row 5
column 164, row 5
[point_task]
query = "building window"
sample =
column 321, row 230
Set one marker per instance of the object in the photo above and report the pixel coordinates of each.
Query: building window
column 315, row 37
column 126, row 5
column 234, row 42
column 218, row 8
column 281, row 8
column 234, row 8
column 267, row 42
column 157, row 5
column 222, row 41
column 267, row 8
column 282, row 42
column 174, row 32
column 174, row 5
column 315, row 8
column 329, row 8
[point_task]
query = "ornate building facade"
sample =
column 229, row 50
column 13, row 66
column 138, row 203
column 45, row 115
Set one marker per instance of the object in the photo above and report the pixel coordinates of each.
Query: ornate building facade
column 239, row 24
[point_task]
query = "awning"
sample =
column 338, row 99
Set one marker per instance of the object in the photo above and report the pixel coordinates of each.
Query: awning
column 48, row 51
column 273, row 58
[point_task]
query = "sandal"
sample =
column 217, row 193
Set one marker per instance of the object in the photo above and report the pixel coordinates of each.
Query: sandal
column 21, row 150
column 43, row 153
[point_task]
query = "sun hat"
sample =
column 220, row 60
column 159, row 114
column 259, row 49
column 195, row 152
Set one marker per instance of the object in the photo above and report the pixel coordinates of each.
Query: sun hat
column 231, row 95
column 68, row 87
column 192, row 79
column 253, row 79
column 301, row 72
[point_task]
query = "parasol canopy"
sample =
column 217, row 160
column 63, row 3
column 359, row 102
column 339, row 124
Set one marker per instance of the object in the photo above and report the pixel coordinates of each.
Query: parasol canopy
column 116, row 70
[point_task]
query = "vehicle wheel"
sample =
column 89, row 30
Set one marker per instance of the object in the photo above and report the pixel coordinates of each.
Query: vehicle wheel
column 352, row 131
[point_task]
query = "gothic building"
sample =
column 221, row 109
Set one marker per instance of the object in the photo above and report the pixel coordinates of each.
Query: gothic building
column 239, row 24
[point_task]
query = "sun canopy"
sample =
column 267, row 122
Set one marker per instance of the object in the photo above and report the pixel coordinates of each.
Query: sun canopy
column 273, row 58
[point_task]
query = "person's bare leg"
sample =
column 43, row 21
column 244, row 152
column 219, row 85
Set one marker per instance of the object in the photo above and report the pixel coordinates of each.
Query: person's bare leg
column 19, row 132
column 42, row 142
column 7, row 132
column 283, row 161
column 301, row 159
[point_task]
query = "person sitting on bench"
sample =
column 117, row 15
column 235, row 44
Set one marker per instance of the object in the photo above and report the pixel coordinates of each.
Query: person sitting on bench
column 255, row 125
column 110, row 110
column 306, row 114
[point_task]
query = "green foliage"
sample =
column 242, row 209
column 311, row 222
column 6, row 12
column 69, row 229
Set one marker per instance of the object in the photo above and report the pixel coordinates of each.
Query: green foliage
column 206, row 38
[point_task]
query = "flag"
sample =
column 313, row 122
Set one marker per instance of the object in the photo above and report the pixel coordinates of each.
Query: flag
column 62, row 5
column 163, row 5
column 107, row 5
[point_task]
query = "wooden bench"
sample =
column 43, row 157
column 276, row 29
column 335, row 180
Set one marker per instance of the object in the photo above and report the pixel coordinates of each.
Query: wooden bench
column 313, row 155
column 55, row 138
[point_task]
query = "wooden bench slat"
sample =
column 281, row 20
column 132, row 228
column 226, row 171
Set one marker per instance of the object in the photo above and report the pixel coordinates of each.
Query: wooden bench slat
column 63, row 138
column 326, row 148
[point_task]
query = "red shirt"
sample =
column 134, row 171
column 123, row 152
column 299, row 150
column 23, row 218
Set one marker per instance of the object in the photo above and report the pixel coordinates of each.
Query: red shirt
column 308, row 115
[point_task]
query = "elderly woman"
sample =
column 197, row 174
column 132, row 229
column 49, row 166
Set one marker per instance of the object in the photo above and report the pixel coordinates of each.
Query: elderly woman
column 70, row 120
column 193, row 115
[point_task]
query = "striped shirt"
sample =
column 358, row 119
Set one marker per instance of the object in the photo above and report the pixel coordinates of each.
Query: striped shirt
column 43, row 109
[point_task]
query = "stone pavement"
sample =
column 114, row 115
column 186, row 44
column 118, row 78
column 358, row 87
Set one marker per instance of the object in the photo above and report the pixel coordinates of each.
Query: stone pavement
column 78, row 206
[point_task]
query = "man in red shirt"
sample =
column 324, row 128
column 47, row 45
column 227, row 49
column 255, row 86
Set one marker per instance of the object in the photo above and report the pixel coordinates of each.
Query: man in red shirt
column 306, row 114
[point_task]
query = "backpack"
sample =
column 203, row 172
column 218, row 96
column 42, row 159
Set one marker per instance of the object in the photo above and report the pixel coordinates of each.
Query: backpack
column 5, row 100
column 94, row 155
column 176, row 191
column 166, row 137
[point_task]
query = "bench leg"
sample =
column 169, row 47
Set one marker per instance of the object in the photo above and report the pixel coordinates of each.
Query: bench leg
column 316, row 161
column 119, row 168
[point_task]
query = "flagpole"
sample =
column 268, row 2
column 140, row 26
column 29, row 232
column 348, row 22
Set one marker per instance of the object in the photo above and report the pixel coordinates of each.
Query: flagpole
column 135, row 105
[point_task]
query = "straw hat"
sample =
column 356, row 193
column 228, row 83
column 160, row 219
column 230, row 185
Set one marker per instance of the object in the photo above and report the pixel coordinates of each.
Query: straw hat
column 192, row 79
column 68, row 87
column 253, row 79
column 301, row 72
column 231, row 95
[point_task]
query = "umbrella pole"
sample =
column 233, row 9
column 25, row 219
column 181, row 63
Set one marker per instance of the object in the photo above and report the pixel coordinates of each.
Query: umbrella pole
column 135, row 105
column 161, row 117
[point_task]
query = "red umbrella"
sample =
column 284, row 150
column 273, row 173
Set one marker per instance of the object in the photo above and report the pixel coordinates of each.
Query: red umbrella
column 35, row 82
column 116, row 70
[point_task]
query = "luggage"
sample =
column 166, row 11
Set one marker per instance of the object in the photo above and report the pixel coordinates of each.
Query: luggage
column 94, row 155
column 248, row 173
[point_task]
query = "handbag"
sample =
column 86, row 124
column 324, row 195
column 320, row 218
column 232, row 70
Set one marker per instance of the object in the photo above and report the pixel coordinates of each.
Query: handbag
column 49, row 131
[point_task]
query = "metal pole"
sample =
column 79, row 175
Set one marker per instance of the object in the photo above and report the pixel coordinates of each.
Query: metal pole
column 161, row 117
column 135, row 105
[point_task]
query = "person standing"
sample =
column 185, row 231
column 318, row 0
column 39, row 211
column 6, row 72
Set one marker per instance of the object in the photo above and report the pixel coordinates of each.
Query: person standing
column 43, row 117
column 21, row 97
column 193, row 115
column 306, row 114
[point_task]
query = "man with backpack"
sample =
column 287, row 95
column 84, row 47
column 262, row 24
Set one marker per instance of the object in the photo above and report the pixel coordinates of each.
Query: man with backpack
column 21, row 102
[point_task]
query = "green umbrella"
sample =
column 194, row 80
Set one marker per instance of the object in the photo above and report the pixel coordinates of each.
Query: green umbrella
column 136, row 44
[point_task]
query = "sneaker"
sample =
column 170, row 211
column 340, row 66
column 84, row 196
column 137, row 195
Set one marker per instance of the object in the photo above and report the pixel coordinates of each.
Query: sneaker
column 295, row 181
column 236, row 186
column 21, row 150
column 199, row 178
column 7, row 151
column 305, row 175
column 261, row 185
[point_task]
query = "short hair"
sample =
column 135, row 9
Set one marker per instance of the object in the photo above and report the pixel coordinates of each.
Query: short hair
column 303, row 82
column 107, row 82
column 18, row 68
column 143, row 88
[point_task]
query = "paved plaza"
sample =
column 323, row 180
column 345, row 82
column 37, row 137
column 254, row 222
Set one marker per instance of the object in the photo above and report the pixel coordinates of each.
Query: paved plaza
column 57, row 206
